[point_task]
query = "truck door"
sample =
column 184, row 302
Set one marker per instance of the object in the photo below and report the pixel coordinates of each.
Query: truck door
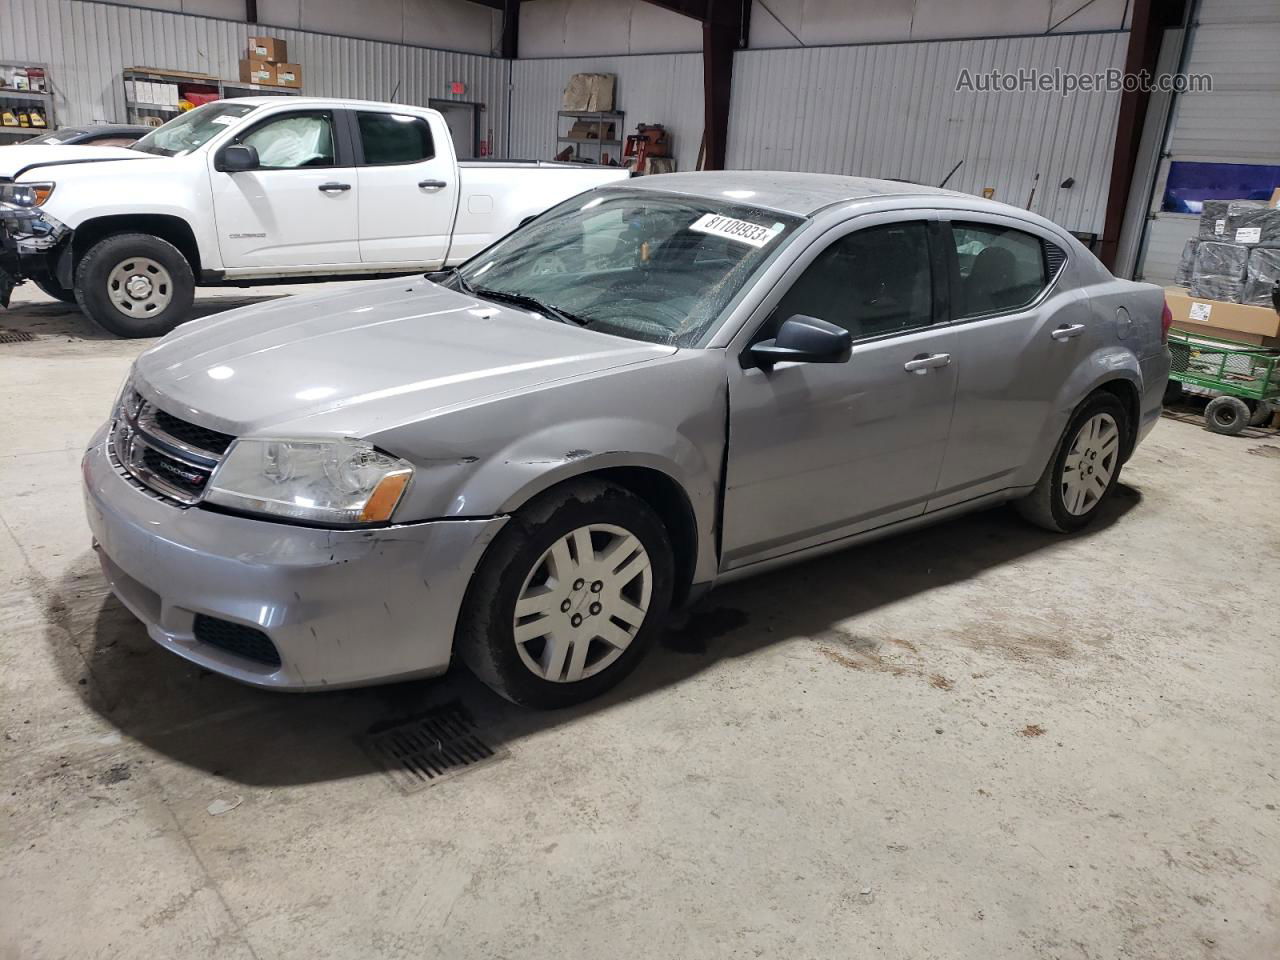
column 299, row 208
column 408, row 182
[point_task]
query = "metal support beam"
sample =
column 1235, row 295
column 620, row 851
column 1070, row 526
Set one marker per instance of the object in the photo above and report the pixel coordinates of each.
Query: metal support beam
column 251, row 11
column 1150, row 19
column 510, row 29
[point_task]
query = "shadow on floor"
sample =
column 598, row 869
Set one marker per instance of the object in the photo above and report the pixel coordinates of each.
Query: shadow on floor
column 269, row 739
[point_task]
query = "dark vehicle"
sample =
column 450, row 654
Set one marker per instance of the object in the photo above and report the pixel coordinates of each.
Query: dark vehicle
column 93, row 135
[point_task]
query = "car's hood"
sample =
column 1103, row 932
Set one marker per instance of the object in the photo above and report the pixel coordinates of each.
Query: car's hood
column 45, row 159
column 366, row 359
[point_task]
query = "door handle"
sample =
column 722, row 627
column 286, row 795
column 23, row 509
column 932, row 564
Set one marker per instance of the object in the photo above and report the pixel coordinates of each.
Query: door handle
column 1068, row 331
column 432, row 184
column 926, row 362
column 332, row 187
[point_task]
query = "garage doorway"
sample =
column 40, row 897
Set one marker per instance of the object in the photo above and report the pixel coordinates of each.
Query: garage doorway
column 463, row 119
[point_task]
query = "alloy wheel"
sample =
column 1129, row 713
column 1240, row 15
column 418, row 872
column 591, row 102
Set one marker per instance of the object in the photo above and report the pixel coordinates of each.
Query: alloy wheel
column 583, row 603
column 1090, row 464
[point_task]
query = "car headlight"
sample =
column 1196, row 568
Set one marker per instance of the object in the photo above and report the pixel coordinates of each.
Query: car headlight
column 340, row 482
column 26, row 194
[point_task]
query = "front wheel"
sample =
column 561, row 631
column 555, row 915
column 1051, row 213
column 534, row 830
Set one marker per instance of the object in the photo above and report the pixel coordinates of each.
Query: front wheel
column 135, row 285
column 568, row 596
column 1084, row 469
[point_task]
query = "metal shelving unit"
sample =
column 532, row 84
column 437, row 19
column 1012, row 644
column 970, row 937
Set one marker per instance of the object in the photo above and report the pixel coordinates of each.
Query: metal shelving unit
column 12, row 98
column 139, row 110
column 601, row 121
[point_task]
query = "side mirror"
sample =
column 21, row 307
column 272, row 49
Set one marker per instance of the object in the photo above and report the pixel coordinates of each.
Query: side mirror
column 236, row 158
column 805, row 340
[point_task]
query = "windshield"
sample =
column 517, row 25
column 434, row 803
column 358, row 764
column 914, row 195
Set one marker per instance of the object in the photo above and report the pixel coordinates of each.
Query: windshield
column 650, row 266
column 191, row 130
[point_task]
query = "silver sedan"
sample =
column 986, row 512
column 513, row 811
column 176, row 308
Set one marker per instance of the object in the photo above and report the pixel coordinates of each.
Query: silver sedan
column 650, row 389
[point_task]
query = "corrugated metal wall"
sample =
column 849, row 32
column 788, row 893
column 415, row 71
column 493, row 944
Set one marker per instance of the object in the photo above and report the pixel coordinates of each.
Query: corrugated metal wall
column 1235, row 42
column 656, row 88
column 892, row 110
column 87, row 45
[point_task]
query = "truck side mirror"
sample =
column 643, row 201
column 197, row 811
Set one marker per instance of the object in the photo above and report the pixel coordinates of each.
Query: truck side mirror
column 805, row 340
column 236, row 158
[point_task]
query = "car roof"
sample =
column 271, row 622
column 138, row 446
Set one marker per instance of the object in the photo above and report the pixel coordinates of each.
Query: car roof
column 295, row 101
column 802, row 194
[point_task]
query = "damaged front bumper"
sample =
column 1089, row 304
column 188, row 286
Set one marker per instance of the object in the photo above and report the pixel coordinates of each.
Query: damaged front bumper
column 31, row 242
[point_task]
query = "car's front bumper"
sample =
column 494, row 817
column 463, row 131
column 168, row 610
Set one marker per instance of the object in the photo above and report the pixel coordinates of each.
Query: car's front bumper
column 342, row 607
column 31, row 243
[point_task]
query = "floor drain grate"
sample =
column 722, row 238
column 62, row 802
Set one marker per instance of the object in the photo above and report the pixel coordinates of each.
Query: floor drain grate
column 434, row 746
column 15, row 336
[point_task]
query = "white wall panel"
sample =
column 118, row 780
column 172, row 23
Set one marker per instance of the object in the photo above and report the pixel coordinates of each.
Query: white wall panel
column 569, row 28
column 892, row 110
column 87, row 45
column 661, row 88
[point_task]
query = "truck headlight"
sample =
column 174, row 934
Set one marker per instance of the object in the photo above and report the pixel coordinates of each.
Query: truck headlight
column 26, row 194
column 340, row 482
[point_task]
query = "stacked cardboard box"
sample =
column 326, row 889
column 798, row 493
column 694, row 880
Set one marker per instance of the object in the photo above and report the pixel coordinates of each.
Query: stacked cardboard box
column 1231, row 268
column 267, row 63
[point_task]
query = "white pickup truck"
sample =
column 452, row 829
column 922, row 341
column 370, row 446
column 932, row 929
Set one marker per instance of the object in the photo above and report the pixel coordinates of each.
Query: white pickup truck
column 252, row 190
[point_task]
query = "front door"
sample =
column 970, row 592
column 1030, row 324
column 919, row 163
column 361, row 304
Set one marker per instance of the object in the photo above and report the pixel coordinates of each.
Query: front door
column 818, row 452
column 300, row 207
column 408, row 190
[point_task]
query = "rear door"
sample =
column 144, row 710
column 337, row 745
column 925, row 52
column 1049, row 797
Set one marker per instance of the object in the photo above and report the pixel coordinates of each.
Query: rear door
column 1019, row 336
column 299, row 208
column 408, row 188
column 818, row 452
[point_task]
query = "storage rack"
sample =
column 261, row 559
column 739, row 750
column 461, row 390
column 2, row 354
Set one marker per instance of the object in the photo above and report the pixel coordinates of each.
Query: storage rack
column 601, row 120
column 140, row 111
column 15, row 98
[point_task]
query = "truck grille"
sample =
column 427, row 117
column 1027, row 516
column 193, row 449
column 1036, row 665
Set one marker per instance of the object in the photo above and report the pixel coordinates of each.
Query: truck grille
column 165, row 454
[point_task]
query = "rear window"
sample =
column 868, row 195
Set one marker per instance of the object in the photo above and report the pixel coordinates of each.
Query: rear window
column 395, row 138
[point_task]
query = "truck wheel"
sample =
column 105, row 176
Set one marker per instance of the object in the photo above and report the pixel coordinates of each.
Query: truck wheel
column 1226, row 415
column 56, row 290
column 568, row 597
column 1084, row 469
column 135, row 285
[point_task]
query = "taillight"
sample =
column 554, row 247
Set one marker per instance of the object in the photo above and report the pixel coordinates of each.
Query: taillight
column 1166, row 321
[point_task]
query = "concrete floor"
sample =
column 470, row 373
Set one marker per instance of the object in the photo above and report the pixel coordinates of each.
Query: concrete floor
column 974, row 741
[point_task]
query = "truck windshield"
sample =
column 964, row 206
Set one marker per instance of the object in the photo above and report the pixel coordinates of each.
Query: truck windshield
column 191, row 130
column 650, row 266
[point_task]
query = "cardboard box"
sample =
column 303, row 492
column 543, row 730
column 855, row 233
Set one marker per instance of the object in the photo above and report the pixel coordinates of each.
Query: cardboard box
column 589, row 92
column 1231, row 320
column 257, row 71
column 269, row 49
column 288, row 74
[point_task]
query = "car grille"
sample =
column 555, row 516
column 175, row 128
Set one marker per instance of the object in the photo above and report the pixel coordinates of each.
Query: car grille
column 236, row 638
column 165, row 455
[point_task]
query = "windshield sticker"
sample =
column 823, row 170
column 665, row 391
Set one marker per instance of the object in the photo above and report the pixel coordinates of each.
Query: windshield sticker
column 224, row 120
column 743, row 231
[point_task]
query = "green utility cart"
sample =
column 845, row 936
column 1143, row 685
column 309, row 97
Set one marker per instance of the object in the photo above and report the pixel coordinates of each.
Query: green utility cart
column 1246, row 379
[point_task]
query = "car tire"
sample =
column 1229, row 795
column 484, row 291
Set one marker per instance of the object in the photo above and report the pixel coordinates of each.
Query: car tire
column 575, row 612
column 56, row 290
column 1227, row 415
column 1068, row 495
column 1262, row 413
column 135, row 285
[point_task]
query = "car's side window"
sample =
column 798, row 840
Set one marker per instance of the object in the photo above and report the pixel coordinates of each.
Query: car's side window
column 390, row 138
column 871, row 282
column 293, row 141
column 1001, row 268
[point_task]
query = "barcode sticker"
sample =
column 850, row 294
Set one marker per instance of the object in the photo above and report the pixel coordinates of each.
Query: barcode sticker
column 743, row 231
column 1200, row 311
column 1219, row 227
column 1248, row 234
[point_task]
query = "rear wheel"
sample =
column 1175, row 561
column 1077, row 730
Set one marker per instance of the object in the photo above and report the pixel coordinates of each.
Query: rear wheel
column 1084, row 469
column 568, row 597
column 135, row 285
column 1227, row 415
